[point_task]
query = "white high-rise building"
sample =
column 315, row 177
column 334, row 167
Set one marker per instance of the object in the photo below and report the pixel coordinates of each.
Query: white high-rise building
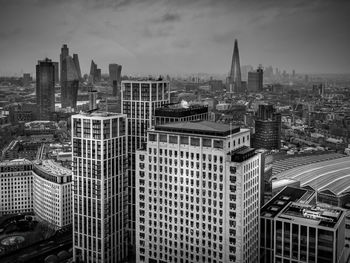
column 197, row 194
column 99, row 142
column 140, row 98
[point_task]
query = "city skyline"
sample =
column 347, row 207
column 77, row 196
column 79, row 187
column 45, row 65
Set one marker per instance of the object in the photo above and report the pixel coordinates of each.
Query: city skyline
column 179, row 36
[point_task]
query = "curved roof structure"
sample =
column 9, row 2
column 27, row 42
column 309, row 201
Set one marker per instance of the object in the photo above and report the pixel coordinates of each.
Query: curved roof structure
column 332, row 176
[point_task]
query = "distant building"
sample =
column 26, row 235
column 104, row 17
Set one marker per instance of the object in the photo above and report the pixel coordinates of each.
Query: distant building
column 16, row 185
column 197, row 190
column 95, row 73
column 115, row 79
column 56, row 68
column 179, row 113
column 70, row 77
column 255, row 81
column 52, row 194
column 45, row 88
column 26, row 79
column 267, row 128
column 234, row 80
column 294, row 229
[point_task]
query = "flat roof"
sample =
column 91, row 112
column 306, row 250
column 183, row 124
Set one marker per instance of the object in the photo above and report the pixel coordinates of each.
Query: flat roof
column 199, row 127
column 15, row 162
column 281, row 200
column 312, row 214
column 53, row 168
column 97, row 113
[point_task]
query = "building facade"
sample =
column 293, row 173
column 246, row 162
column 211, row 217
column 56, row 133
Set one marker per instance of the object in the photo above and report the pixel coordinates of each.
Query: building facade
column 16, row 195
column 197, row 195
column 295, row 229
column 267, row 128
column 45, row 88
column 99, row 142
column 52, row 194
column 178, row 113
column 234, row 80
column 70, row 77
column 255, row 80
column 115, row 78
column 140, row 99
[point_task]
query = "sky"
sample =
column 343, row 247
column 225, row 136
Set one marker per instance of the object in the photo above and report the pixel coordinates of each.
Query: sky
column 177, row 36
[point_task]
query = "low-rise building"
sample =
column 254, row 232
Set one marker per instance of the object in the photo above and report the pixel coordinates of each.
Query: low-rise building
column 16, row 185
column 52, row 186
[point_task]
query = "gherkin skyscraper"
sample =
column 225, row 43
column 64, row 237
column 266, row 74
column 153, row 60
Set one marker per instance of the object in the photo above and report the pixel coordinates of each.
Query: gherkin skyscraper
column 234, row 79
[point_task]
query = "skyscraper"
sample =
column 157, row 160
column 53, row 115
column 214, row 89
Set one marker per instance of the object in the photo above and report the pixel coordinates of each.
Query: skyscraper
column 139, row 101
column 99, row 142
column 56, row 66
column 115, row 71
column 255, row 80
column 267, row 128
column 70, row 77
column 45, row 88
column 197, row 194
column 234, row 79
column 95, row 73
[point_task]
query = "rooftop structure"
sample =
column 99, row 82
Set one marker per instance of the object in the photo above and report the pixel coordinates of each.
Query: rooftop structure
column 200, row 127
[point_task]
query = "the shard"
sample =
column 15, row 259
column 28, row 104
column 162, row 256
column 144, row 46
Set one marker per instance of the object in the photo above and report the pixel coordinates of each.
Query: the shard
column 234, row 79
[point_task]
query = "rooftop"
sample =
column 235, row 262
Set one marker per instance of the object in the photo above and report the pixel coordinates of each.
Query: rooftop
column 331, row 177
column 310, row 214
column 15, row 162
column 52, row 168
column 178, row 110
column 282, row 199
column 101, row 114
column 200, row 127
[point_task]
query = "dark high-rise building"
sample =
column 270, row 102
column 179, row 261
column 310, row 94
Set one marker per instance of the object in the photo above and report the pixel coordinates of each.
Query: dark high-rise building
column 70, row 77
column 115, row 71
column 255, row 80
column 267, row 128
column 234, row 79
column 45, row 88
column 56, row 67
column 26, row 79
column 95, row 73
column 77, row 65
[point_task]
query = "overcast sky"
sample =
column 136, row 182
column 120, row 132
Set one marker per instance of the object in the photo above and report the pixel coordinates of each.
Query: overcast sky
column 176, row 36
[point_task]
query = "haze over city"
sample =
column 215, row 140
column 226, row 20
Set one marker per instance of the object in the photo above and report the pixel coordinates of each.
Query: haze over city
column 159, row 37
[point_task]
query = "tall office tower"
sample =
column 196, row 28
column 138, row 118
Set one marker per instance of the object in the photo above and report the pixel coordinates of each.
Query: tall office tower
column 179, row 113
column 45, row 88
column 234, row 79
column 77, row 65
column 115, row 71
column 63, row 71
column 295, row 229
column 27, row 79
column 139, row 101
column 72, row 83
column 99, row 142
column 70, row 77
column 56, row 66
column 197, row 194
column 95, row 73
column 255, row 80
column 267, row 128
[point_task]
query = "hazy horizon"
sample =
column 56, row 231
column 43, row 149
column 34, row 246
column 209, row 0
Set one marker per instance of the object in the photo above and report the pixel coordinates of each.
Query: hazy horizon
column 182, row 37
